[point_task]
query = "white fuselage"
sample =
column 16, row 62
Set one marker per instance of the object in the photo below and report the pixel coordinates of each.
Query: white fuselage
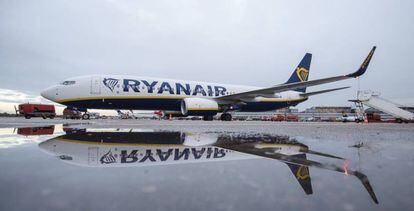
column 146, row 93
column 195, row 148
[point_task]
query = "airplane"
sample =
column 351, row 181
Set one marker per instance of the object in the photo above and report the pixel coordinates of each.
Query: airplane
column 189, row 98
column 128, row 148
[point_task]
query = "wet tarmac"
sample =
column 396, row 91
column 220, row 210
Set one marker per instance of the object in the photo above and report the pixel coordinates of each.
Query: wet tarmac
column 196, row 165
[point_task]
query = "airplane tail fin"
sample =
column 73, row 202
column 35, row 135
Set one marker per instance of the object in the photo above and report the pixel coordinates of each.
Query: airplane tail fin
column 301, row 174
column 301, row 73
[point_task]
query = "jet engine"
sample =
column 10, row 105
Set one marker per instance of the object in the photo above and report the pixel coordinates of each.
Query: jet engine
column 199, row 107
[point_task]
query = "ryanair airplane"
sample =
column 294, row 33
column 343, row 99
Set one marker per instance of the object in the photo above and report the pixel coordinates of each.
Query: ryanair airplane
column 128, row 148
column 188, row 98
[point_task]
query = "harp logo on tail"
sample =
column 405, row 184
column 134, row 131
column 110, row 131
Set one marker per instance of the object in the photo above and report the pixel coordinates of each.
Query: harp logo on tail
column 110, row 83
column 302, row 173
column 302, row 73
column 108, row 158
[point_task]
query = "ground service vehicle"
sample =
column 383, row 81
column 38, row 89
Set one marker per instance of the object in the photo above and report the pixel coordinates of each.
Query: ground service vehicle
column 71, row 114
column 29, row 110
column 36, row 131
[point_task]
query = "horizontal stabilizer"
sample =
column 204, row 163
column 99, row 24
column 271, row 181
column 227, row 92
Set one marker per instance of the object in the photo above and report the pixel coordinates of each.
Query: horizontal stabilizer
column 322, row 91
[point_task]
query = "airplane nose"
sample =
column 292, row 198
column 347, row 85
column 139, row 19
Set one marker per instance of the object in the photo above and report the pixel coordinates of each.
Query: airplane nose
column 49, row 93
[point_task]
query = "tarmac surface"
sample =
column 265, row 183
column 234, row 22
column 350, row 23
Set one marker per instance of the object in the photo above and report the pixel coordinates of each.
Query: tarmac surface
column 50, row 164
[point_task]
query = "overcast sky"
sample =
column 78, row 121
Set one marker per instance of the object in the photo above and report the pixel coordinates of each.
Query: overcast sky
column 242, row 42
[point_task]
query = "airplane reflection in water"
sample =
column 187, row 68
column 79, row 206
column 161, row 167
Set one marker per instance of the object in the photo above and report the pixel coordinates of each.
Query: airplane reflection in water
column 116, row 148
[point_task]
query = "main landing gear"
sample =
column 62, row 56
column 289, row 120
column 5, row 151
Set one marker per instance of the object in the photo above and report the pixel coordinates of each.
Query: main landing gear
column 208, row 118
column 225, row 117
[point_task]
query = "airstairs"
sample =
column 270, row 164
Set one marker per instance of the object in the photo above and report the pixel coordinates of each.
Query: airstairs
column 372, row 99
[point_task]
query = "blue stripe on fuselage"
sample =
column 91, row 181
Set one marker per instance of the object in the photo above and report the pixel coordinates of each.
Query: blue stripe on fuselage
column 166, row 104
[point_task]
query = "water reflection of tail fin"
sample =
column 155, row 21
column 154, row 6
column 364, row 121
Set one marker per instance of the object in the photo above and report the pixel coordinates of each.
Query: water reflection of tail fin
column 365, row 182
column 301, row 174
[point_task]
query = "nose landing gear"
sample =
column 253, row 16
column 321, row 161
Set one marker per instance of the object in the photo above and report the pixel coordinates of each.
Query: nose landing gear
column 86, row 116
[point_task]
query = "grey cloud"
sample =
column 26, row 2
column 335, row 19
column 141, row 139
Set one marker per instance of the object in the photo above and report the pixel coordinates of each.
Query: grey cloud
column 242, row 42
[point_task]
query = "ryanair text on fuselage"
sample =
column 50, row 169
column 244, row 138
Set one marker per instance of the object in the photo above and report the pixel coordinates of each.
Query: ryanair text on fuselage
column 159, row 87
column 172, row 154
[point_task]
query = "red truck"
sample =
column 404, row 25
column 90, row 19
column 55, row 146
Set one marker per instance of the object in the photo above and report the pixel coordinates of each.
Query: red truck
column 289, row 118
column 278, row 118
column 71, row 114
column 32, row 131
column 29, row 110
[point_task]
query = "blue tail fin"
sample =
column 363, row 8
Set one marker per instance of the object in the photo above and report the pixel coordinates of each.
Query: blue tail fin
column 301, row 73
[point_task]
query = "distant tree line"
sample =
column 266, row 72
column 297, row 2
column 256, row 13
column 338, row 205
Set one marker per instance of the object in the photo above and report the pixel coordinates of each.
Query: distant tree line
column 4, row 114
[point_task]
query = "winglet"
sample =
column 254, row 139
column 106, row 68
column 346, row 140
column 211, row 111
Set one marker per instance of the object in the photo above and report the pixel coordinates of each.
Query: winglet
column 364, row 65
column 365, row 182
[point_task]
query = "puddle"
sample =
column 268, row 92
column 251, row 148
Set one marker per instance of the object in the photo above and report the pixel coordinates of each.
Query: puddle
column 58, row 165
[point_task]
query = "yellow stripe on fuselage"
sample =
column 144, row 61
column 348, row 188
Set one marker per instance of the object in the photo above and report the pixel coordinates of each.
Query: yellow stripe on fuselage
column 203, row 109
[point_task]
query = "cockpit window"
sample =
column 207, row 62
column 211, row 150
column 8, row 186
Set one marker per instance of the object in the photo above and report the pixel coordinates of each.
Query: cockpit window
column 65, row 157
column 66, row 83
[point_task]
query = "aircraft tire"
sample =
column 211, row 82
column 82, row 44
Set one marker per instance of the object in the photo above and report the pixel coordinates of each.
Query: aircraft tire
column 208, row 118
column 86, row 117
column 226, row 117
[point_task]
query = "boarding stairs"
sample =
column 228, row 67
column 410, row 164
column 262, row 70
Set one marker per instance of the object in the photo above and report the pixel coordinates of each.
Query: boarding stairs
column 372, row 99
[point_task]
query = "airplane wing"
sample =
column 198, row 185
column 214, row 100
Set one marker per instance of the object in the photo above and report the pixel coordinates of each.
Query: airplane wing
column 299, row 165
column 292, row 86
column 307, row 94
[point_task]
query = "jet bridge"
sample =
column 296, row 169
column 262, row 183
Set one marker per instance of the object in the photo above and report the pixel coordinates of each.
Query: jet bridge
column 372, row 99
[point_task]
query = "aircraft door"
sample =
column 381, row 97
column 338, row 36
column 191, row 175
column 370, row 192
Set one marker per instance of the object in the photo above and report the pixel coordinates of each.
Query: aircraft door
column 93, row 155
column 96, row 85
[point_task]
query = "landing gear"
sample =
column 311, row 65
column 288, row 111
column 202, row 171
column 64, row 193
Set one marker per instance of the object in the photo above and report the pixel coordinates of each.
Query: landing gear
column 86, row 116
column 208, row 118
column 226, row 117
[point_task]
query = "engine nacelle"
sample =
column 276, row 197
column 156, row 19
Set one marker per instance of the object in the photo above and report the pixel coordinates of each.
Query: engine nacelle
column 199, row 107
